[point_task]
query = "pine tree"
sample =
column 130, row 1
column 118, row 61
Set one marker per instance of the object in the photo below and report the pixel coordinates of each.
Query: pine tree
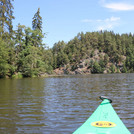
column 4, row 66
column 37, row 34
column 19, row 37
column 37, row 21
column 6, row 16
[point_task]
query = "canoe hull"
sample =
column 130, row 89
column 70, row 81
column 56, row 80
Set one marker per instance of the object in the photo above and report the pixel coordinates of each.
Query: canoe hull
column 103, row 121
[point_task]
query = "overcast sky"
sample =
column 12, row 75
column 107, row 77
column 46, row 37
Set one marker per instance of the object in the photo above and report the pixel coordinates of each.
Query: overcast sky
column 64, row 19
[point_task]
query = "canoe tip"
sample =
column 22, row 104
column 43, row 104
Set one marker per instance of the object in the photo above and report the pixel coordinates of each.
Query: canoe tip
column 104, row 97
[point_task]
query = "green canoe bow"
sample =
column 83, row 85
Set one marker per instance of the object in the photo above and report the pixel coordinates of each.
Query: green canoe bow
column 103, row 121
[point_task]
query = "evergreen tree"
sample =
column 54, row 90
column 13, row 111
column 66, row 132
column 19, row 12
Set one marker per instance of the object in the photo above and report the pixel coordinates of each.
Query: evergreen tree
column 101, row 41
column 6, row 16
column 37, row 34
column 124, row 69
column 19, row 38
column 4, row 66
column 112, row 68
column 37, row 21
column 31, row 62
column 96, row 68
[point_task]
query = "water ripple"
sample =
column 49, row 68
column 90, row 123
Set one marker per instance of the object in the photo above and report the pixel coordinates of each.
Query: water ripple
column 61, row 104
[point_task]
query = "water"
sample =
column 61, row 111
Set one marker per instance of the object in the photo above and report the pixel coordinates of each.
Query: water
column 59, row 105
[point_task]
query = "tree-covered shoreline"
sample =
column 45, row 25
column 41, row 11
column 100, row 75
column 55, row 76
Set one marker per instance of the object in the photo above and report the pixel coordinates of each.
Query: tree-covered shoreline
column 23, row 53
column 96, row 52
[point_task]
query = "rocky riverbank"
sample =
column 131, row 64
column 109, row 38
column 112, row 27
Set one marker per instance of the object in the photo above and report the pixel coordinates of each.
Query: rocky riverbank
column 90, row 65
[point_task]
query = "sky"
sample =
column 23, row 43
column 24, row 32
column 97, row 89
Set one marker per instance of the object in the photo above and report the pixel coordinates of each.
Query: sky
column 64, row 19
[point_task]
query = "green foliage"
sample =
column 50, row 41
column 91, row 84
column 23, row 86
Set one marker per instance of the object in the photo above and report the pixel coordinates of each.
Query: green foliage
column 106, row 59
column 112, row 68
column 37, row 34
column 118, row 70
column 17, row 76
column 96, row 68
column 114, row 47
column 22, row 52
column 37, row 21
column 124, row 69
column 62, row 59
column 4, row 66
column 31, row 62
column 6, row 16
column 102, row 63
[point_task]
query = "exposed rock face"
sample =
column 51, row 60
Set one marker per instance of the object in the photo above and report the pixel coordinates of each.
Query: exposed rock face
column 59, row 71
column 81, row 68
column 82, row 71
column 85, row 65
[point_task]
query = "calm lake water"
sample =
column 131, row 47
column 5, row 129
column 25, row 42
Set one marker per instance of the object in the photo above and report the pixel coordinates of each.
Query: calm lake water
column 59, row 105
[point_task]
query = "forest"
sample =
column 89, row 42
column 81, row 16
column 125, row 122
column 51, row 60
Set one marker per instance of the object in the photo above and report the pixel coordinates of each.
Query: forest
column 23, row 53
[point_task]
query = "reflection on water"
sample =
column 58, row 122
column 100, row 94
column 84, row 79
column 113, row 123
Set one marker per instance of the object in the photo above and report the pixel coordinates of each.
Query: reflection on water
column 61, row 104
